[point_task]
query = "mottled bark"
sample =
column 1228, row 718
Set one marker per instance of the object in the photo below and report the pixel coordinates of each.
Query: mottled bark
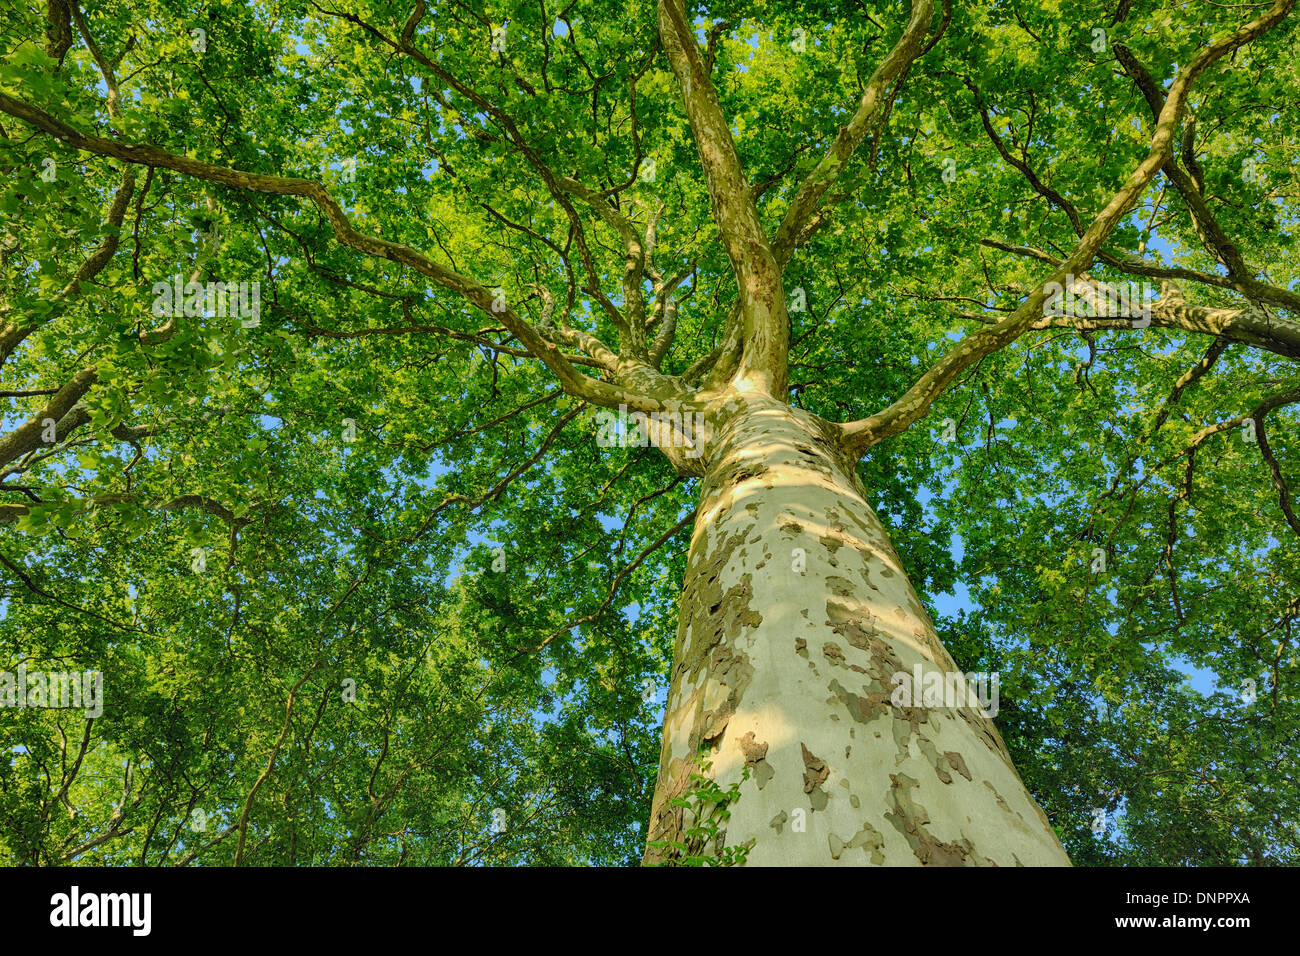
column 795, row 616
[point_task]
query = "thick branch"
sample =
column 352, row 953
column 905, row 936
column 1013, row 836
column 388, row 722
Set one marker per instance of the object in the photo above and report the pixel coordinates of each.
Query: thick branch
column 766, row 326
column 851, row 135
column 915, row 402
column 29, row 435
column 575, row 383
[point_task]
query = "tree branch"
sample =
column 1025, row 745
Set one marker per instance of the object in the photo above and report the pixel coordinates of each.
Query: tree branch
column 914, row 403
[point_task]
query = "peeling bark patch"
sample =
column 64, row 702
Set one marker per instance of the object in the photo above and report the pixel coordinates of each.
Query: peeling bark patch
column 854, row 624
column 931, row 753
column 906, row 725
column 801, row 647
column 745, row 474
column 869, row 534
column 715, row 621
column 1002, row 804
column 956, row 762
column 705, row 606
column 942, row 763
column 842, row 587
column 862, row 709
column 733, row 672
column 868, row 839
column 909, row 818
column 730, row 611
column 865, row 573
column 836, row 845
column 818, row 457
column 778, row 821
column 756, row 759
column 833, row 654
column 752, row 749
column 815, row 774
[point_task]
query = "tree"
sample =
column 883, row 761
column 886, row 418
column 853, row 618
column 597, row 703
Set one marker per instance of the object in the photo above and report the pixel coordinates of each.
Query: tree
column 389, row 381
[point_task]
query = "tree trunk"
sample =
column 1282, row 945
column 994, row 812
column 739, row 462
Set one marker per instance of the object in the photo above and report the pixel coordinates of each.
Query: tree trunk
column 795, row 619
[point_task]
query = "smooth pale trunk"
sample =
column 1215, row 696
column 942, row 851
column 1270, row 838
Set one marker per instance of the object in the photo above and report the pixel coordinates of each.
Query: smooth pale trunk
column 795, row 616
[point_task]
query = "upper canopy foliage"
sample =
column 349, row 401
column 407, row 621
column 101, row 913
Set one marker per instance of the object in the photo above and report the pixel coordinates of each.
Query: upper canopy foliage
column 1115, row 501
